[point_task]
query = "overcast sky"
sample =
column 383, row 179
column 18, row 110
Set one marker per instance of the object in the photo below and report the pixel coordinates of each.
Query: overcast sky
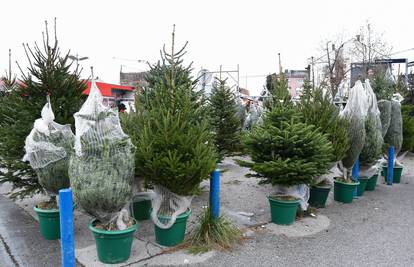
column 249, row 33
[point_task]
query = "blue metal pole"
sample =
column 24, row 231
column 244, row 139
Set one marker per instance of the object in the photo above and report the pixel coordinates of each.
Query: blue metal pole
column 390, row 173
column 355, row 174
column 67, row 242
column 215, row 194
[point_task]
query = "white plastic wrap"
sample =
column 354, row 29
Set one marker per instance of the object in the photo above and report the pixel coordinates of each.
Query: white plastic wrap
column 298, row 191
column 102, row 169
column 47, row 150
column 166, row 206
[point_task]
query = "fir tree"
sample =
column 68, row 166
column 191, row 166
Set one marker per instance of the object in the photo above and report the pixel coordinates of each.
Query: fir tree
column 224, row 120
column 285, row 151
column 48, row 74
column 174, row 146
column 278, row 90
column 317, row 109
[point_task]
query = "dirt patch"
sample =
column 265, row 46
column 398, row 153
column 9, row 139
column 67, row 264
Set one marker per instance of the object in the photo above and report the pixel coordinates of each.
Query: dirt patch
column 48, row 205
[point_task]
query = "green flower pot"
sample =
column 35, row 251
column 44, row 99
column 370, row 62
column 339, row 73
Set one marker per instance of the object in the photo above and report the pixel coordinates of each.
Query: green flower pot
column 362, row 185
column 49, row 222
column 175, row 234
column 141, row 210
column 318, row 196
column 372, row 183
column 282, row 211
column 113, row 246
column 344, row 192
column 397, row 173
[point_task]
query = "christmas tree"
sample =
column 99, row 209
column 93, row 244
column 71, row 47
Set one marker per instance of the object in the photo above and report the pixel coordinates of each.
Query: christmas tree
column 317, row 109
column 224, row 120
column 48, row 74
column 285, row 151
column 175, row 149
column 278, row 90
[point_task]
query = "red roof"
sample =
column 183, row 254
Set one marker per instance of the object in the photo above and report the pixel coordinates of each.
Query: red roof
column 106, row 88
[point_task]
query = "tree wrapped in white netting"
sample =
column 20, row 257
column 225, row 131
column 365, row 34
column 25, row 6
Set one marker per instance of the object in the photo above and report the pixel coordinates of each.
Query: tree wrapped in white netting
column 102, row 168
column 373, row 128
column 355, row 111
column 384, row 107
column 394, row 136
column 48, row 147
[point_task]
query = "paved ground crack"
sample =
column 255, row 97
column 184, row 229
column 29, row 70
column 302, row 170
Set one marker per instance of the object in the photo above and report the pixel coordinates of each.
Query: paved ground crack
column 9, row 251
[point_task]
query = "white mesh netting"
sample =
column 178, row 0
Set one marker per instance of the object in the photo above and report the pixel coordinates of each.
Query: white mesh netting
column 102, row 169
column 356, row 111
column 166, row 206
column 48, row 147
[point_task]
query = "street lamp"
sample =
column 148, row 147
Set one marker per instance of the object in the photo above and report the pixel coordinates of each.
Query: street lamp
column 77, row 59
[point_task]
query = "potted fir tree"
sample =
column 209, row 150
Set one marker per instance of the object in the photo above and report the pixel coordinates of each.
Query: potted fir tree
column 286, row 153
column 48, row 148
column 394, row 137
column 372, row 149
column 101, row 174
column 318, row 109
column 49, row 73
column 224, row 119
column 175, row 149
column 355, row 112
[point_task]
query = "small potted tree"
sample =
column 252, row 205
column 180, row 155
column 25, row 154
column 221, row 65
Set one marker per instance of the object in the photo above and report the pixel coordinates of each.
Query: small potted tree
column 175, row 149
column 48, row 148
column 394, row 137
column 318, row 109
column 101, row 173
column 286, row 153
column 372, row 149
column 355, row 112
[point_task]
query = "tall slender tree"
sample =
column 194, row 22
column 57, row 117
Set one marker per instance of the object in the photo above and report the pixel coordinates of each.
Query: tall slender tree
column 224, row 120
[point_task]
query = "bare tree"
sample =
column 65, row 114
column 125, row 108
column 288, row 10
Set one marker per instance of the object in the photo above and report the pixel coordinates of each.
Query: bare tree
column 369, row 46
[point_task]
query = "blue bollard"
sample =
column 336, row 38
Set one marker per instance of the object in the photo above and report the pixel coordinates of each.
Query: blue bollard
column 355, row 174
column 67, row 242
column 390, row 173
column 215, row 194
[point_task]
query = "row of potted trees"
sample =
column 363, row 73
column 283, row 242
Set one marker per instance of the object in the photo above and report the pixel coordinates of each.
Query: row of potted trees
column 300, row 145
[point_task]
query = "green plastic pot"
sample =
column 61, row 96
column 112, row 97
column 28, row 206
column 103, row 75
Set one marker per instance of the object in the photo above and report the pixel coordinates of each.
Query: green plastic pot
column 344, row 192
column 372, row 183
column 49, row 222
column 113, row 246
column 318, row 196
column 362, row 185
column 141, row 210
column 283, row 211
column 397, row 173
column 175, row 234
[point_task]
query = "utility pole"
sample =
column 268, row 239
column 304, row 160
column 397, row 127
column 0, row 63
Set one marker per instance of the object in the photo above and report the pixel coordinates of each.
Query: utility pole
column 280, row 64
column 313, row 72
column 10, row 74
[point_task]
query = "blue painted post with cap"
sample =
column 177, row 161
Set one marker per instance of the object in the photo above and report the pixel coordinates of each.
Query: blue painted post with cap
column 67, row 242
column 215, row 194
column 390, row 172
column 355, row 174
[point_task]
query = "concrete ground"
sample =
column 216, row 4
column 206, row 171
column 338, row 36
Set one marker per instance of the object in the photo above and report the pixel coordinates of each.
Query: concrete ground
column 375, row 230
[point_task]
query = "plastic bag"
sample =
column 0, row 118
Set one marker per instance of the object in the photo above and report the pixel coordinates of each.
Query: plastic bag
column 102, row 169
column 298, row 191
column 355, row 111
column 48, row 147
column 166, row 206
